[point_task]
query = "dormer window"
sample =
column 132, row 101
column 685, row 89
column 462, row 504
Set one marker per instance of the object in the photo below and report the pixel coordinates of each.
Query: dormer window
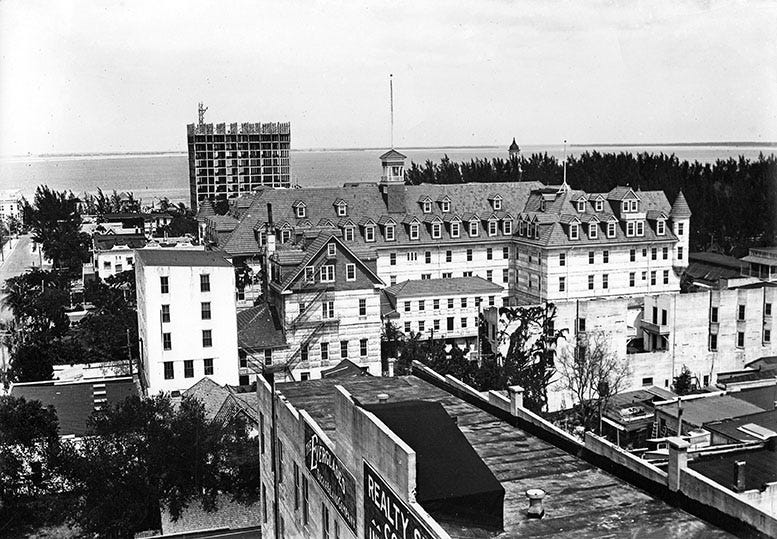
column 630, row 229
column 640, row 228
column 474, row 229
column 369, row 233
column 301, row 211
column 521, row 227
column 331, row 249
column 348, row 233
column 536, row 232
column 285, row 235
column 455, row 229
column 414, row 231
column 611, row 230
column 634, row 206
column 427, row 206
column 599, row 205
column 493, row 228
column 436, row 230
column 574, row 231
column 625, row 206
column 497, row 204
column 593, row 231
column 581, row 206
column 389, row 232
column 445, row 206
column 507, row 227
column 542, row 205
column 342, row 208
column 660, row 227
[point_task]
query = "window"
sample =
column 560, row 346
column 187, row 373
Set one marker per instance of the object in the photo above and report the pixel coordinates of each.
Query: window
column 562, row 259
column 436, row 325
column 207, row 338
column 167, row 341
column 562, row 284
column 590, row 257
column 393, row 259
column 463, row 303
column 767, row 335
column 362, row 307
column 497, row 204
column 310, row 274
column 740, row 339
column 188, row 368
column 426, row 276
column 633, row 255
column 655, row 315
column 343, row 349
column 327, row 274
column 300, row 211
column 107, row 265
column 593, row 231
column 644, row 276
column 390, row 232
column 652, row 278
column 606, row 257
column 392, row 280
column 630, row 228
column 369, row 233
column 324, row 351
column 208, row 366
column 428, row 257
column 581, row 205
column 205, row 310
column 328, row 309
column 436, row 304
column 767, row 309
column 660, row 227
column 421, row 305
column 325, row 524
column 412, row 257
column 342, row 209
column 445, row 206
column 469, row 255
column 331, row 249
column 455, row 229
column 599, row 205
column 505, row 275
column 427, row 205
column 679, row 253
column 492, row 228
column 741, row 312
column 463, row 322
column 653, row 253
column 164, row 284
column 204, row 282
column 119, row 268
column 507, row 227
column 421, row 325
column 648, row 381
column 489, row 253
column 590, row 282
column 348, row 233
column 350, row 272
column 625, row 206
column 447, row 275
column 666, row 276
column 414, row 231
column 644, row 252
column 450, row 303
column 436, row 230
column 713, row 314
column 581, row 325
column 505, row 252
column 713, row 342
column 448, row 256
column 474, row 229
column 489, row 275
column 632, row 278
column 665, row 253
column 305, row 502
column 165, row 313
column 285, row 235
column 407, row 306
column 573, row 231
column 640, row 228
column 680, row 228
column 169, row 374
column 605, row 281
column 363, row 347
column 663, row 317
column 610, row 230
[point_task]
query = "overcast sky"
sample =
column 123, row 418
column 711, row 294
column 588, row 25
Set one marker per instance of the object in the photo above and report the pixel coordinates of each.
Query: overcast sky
column 125, row 76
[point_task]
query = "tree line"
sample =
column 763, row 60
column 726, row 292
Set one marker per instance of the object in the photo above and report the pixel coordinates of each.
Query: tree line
column 732, row 200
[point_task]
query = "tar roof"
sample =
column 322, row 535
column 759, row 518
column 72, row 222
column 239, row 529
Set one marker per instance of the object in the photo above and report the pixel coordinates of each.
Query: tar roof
column 108, row 241
column 169, row 257
column 760, row 468
column 444, row 287
column 704, row 409
column 259, row 328
column 732, row 428
column 75, row 401
column 582, row 501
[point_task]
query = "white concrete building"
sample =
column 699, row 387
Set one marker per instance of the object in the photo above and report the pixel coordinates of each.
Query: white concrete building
column 115, row 253
column 186, row 318
column 10, row 205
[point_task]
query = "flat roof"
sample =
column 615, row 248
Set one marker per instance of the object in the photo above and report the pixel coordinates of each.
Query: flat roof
column 169, row 257
column 705, row 409
column 731, row 428
column 760, row 467
column 582, row 500
column 457, row 286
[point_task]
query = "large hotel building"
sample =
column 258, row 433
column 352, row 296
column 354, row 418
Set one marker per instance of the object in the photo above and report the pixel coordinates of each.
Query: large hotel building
column 228, row 160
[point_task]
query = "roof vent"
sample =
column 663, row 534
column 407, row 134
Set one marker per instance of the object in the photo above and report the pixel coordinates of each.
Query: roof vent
column 535, row 495
column 383, row 398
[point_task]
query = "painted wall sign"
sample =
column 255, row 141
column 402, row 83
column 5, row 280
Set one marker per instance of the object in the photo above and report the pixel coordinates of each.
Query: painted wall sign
column 332, row 475
column 386, row 515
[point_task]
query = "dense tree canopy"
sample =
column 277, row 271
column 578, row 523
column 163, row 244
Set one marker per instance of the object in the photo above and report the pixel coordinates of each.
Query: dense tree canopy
column 732, row 200
column 56, row 225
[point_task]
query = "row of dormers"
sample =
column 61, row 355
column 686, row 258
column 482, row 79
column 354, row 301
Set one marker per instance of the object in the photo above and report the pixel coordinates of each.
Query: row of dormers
column 426, row 203
column 529, row 226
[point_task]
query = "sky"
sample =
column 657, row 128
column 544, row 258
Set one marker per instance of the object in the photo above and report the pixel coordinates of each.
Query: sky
column 123, row 76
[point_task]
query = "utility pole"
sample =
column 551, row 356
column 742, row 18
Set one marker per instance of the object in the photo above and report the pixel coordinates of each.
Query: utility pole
column 129, row 352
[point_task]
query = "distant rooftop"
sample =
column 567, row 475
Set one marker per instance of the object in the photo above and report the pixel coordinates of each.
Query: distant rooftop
column 760, row 468
column 582, row 502
column 167, row 257
column 457, row 286
column 736, row 428
column 699, row 411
